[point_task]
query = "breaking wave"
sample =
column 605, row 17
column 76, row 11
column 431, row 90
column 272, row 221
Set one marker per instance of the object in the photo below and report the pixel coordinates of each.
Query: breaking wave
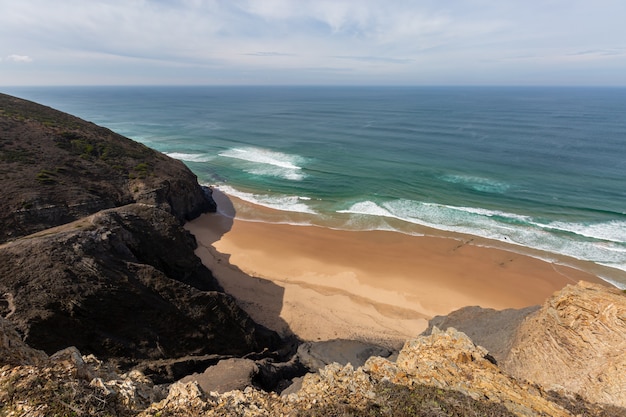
column 263, row 162
column 190, row 157
column 603, row 242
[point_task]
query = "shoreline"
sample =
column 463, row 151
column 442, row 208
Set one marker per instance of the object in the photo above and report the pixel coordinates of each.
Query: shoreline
column 380, row 286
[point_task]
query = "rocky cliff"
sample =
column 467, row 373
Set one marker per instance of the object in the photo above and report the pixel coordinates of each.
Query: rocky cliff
column 95, row 256
column 95, row 266
column 443, row 374
column 576, row 342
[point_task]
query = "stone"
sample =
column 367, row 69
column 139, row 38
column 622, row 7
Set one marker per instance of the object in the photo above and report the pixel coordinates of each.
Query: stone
column 227, row 375
column 492, row 329
column 576, row 342
column 316, row 355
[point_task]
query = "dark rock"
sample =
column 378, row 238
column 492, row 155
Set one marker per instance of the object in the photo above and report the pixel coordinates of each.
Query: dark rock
column 162, row 371
column 96, row 256
column 227, row 375
column 13, row 350
column 123, row 283
column 316, row 355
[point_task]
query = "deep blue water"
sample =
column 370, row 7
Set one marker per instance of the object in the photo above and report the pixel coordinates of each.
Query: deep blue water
column 541, row 168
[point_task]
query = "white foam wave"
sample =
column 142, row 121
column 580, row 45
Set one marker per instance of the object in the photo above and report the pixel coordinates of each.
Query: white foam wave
column 278, row 172
column 268, row 163
column 276, row 202
column 614, row 231
column 190, row 157
column 505, row 227
column 486, row 185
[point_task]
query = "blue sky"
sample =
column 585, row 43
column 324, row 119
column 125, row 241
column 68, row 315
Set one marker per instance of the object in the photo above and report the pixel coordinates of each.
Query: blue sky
column 316, row 42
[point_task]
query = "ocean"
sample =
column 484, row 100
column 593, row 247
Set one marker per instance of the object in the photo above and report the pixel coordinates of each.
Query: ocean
column 541, row 170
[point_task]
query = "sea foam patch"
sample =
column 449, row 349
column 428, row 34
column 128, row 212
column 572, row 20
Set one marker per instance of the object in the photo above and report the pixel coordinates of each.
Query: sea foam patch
column 295, row 204
column 602, row 243
column 486, row 185
column 264, row 162
column 190, row 157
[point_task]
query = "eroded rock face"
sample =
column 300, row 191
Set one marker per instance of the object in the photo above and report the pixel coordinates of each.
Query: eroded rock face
column 492, row 329
column 123, row 283
column 446, row 360
column 576, row 341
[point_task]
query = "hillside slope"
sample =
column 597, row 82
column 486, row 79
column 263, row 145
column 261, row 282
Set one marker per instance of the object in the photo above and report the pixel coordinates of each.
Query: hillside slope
column 56, row 168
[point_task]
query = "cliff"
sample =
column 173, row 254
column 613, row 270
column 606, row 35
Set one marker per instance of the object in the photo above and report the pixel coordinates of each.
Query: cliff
column 56, row 168
column 95, row 255
column 576, row 342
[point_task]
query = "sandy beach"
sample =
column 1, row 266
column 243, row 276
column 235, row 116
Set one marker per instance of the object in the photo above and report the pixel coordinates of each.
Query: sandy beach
column 321, row 284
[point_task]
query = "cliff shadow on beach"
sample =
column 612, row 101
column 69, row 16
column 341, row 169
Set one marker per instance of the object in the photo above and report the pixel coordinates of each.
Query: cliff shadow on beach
column 261, row 298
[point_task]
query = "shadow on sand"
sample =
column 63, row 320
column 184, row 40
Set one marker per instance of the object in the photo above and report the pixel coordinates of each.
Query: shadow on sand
column 260, row 298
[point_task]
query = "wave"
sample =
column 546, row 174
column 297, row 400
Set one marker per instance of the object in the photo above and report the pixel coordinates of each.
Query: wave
column 268, row 163
column 190, row 157
column 603, row 243
column 614, row 231
column 486, row 185
column 277, row 202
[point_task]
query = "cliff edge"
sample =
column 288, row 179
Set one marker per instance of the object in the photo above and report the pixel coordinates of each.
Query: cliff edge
column 93, row 253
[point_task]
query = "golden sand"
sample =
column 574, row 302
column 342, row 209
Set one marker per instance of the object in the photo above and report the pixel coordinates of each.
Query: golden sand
column 321, row 284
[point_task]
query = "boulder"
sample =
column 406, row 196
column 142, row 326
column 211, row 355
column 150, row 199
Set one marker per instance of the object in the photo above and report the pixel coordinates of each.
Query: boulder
column 316, row 355
column 227, row 375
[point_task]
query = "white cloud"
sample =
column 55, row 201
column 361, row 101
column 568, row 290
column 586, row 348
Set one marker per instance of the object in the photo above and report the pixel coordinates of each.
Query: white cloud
column 19, row 58
column 368, row 38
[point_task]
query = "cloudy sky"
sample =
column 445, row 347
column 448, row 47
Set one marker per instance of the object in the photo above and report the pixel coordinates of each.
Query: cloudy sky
column 345, row 42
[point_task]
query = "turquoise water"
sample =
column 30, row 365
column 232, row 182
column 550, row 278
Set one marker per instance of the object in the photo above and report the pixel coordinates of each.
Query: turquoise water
column 539, row 168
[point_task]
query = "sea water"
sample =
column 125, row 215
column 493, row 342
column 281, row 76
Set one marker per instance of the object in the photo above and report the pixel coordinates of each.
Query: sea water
column 539, row 168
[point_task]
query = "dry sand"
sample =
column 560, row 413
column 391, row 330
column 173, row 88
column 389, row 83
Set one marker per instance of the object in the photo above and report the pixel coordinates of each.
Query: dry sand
column 322, row 284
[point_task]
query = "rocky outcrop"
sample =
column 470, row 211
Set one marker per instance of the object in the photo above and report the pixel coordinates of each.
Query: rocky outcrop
column 68, row 383
column 492, row 329
column 575, row 342
column 443, row 372
column 226, row 375
column 56, row 168
column 123, row 283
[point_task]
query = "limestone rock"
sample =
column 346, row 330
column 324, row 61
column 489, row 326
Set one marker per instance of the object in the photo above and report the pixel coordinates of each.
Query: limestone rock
column 450, row 360
column 576, row 342
column 492, row 329
column 447, row 360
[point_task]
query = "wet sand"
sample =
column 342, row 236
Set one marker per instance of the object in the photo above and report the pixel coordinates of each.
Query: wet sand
column 321, row 284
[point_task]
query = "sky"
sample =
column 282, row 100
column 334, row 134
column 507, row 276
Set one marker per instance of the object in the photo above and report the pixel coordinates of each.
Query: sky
column 313, row 42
